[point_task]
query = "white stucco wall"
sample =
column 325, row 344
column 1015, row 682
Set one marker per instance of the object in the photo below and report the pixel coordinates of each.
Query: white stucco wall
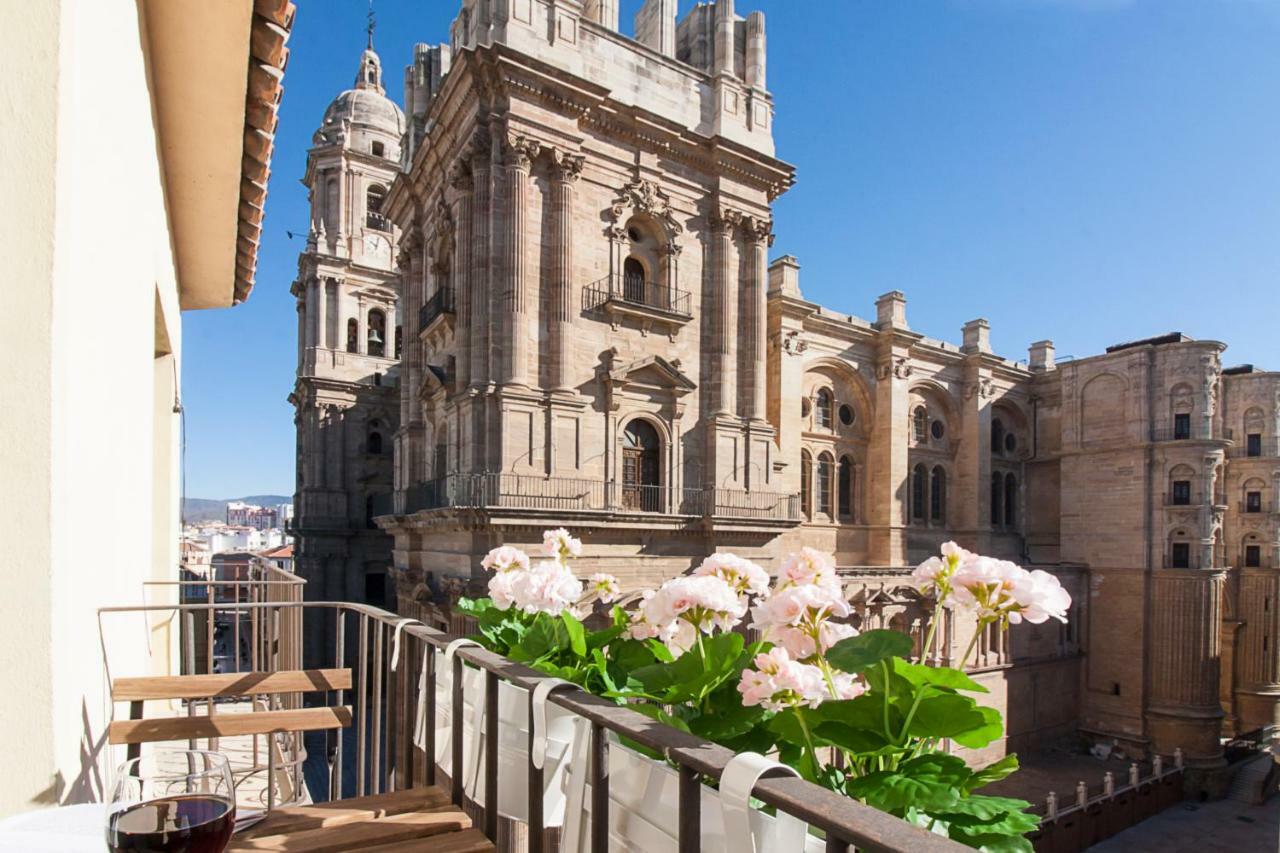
column 87, row 432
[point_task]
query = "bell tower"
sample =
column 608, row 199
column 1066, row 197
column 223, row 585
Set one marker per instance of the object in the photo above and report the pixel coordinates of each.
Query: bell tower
column 345, row 397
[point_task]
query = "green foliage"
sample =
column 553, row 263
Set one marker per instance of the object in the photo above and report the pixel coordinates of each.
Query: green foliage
column 889, row 737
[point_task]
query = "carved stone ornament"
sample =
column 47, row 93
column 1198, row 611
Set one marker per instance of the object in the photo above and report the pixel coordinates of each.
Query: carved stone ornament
column 793, row 343
column 983, row 388
column 460, row 177
column 520, row 151
column 900, row 368
column 756, row 229
column 566, row 166
column 644, row 198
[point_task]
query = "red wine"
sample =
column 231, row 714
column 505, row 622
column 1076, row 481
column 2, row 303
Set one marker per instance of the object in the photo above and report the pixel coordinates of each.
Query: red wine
column 193, row 823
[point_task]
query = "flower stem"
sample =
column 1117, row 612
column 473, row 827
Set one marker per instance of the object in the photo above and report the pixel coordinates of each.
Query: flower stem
column 808, row 739
column 933, row 629
column 977, row 632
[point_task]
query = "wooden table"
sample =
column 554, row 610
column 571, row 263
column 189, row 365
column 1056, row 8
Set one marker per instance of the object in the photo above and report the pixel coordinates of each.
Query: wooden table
column 420, row 819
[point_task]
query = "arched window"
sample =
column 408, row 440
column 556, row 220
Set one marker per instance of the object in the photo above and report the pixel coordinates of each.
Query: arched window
column 399, row 348
column 1010, row 500
column 375, row 443
column 377, row 336
column 845, row 486
column 641, row 468
column 919, row 489
column 826, row 474
column 353, row 335
column 374, row 197
column 824, row 409
column 633, row 280
column 938, row 495
column 920, row 424
column 997, row 492
column 997, row 436
column 806, row 484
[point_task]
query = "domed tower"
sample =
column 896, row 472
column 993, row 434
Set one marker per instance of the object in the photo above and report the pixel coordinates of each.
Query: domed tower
column 349, row 332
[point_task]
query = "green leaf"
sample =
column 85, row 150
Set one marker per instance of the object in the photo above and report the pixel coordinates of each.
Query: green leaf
column 940, row 715
column 985, row 808
column 691, row 676
column 930, row 782
column 577, row 634
column 786, row 726
column 991, row 729
column 856, row 654
column 992, row 772
column 937, row 676
column 847, row 737
column 993, row 843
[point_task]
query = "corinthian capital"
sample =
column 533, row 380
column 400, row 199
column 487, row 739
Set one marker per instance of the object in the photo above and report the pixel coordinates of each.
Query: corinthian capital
column 757, row 229
column 723, row 219
column 565, row 165
column 520, row 151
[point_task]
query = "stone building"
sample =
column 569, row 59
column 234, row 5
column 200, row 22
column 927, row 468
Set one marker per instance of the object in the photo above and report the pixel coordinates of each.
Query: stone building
column 597, row 339
column 346, row 395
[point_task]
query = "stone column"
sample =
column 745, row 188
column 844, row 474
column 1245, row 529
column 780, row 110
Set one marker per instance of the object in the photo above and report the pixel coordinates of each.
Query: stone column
column 1183, row 711
column 566, row 168
column 460, row 178
column 313, row 299
column 887, row 479
column 519, row 154
column 362, row 328
column 725, row 37
column 480, row 259
column 724, row 325
column 322, row 316
column 971, row 513
column 759, row 235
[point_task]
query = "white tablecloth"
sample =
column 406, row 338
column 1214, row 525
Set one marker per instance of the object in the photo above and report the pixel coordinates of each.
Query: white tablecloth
column 69, row 829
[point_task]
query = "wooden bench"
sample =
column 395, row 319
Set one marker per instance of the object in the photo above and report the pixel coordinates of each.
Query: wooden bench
column 382, row 823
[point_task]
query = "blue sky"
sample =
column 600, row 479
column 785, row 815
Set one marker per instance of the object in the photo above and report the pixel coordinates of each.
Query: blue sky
column 1089, row 171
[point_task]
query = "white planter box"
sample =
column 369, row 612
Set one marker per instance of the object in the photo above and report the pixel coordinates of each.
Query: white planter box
column 513, row 744
column 643, row 812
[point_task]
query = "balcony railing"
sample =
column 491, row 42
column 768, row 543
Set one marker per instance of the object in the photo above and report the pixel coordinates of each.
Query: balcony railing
column 1267, row 448
column 387, row 654
column 633, row 292
column 1260, row 508
column 437, row 305
column 377, row 222
column 523, row 491
column 1195, row 432
column 1192, row 500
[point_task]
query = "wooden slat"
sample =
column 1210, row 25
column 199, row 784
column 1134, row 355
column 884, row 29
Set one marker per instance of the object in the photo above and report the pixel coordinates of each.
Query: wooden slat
column 230, row 684
column 467, row 841
column 315, row 816
column 228, row 725
column 360, row 835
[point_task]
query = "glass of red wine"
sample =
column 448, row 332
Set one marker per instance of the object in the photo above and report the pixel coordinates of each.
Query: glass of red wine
column 172, row 801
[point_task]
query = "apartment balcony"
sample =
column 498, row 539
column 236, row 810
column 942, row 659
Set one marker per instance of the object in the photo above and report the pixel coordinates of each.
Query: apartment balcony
column 377, row 222
column 566, row 494
column 646, row 302
column 439, row 304
column 355, row 751
column 1259, row 508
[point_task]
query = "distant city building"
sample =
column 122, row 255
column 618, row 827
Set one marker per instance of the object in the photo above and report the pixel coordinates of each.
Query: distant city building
column 252, row 515
column 280, row 557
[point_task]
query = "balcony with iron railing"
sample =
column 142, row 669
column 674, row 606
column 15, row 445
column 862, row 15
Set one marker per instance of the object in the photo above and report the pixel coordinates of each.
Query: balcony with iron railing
column 565, row 494
column 1189, row 432
column 618, row 296
column 1260, row 448
column 356, row 750
column 377, row 222
column 439, row 304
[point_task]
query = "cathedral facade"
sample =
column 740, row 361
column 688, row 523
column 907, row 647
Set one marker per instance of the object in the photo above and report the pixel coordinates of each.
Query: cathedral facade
column 595, row 337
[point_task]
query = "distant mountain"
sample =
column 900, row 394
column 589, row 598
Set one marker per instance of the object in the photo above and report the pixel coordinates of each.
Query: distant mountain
column 204, row 509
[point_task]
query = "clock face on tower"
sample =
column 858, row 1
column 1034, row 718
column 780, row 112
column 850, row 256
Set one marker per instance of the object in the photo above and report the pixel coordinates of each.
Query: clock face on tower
column 377, row 250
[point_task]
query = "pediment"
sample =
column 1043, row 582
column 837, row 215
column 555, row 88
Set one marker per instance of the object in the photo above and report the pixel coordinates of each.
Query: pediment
column 652, row 371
